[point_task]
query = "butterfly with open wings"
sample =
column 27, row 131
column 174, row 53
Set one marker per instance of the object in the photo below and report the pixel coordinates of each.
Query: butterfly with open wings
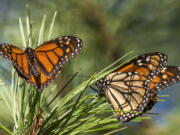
column 40, row 65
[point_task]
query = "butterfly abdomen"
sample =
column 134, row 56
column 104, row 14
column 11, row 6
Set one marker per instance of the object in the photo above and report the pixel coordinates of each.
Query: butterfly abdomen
column 32, row 66
column 31, row 61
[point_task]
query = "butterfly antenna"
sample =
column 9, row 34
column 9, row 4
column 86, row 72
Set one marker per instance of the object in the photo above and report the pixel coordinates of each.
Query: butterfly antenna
column 63, row 88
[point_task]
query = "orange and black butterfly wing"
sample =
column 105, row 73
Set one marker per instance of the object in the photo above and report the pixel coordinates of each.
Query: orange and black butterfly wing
column 167, row 76
column 146, row 65
column 132, row 94
column 47, row 60
column 18, row 58
column 149, row 64
column 20, row 62
column 42, row 81
column 127, row 93
column 51, row 55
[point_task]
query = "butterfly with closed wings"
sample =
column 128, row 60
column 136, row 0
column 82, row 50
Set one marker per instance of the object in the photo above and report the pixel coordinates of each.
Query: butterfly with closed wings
column 132, row 89
column 40, row 65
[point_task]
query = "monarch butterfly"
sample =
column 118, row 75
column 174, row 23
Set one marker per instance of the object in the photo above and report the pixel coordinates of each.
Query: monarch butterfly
column 40, row 65
column 132, row 89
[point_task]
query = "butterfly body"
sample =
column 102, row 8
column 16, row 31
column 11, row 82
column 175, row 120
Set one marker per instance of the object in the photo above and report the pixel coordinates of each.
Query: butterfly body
column 32, row 62
column 40, row 65
column 132, row 89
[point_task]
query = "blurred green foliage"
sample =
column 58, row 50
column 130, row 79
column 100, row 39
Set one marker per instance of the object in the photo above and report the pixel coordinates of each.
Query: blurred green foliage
column 109, row 29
